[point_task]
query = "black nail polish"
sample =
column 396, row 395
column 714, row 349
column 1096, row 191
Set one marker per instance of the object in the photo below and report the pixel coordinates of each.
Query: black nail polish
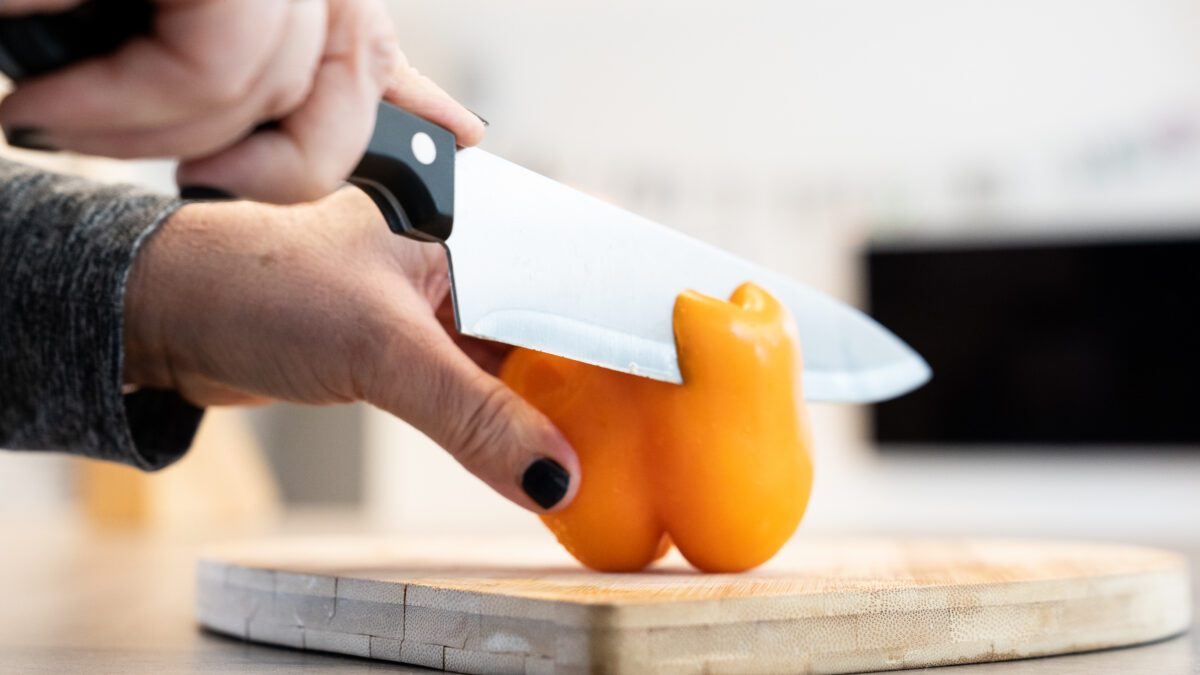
column 485, row 122
column 29, row 138
column 203, row 193
column 545, row 481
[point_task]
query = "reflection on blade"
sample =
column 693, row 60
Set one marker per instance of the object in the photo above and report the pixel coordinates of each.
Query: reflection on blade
column 539, row 265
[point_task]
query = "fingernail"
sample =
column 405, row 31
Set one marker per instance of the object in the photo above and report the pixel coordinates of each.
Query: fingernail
column 545, row 481
column 29, row 138
column 485, row 122
column 203, row 193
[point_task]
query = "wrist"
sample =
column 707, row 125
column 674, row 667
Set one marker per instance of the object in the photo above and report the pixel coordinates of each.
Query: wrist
column 145, row 362
column 172, row 290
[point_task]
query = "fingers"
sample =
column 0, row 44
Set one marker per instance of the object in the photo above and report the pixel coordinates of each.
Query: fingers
column 306, row 157
column 290, row 74
column 213, row 71
column 204, row 56
column 490, row 430
column 316, row 146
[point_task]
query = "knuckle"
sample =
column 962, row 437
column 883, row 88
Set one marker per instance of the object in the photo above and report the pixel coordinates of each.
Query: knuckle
column 289, row 95
column 368, row 348
column 385, row 59
column 313, row 185
column 480, row 432
column 221, row 89
column 290, row 87
column 377, row 330
column 404, row 80
column 326, row 168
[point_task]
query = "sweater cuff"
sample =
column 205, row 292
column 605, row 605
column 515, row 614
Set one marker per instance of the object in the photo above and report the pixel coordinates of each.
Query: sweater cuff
column 66, row 248
column 154, row 427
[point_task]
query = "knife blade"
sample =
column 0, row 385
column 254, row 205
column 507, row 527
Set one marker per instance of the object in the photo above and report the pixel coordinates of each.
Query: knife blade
column 539, row 265
column 534, row 263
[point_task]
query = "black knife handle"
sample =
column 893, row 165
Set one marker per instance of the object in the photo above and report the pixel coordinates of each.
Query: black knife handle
column 408, row 167
column 408, row 170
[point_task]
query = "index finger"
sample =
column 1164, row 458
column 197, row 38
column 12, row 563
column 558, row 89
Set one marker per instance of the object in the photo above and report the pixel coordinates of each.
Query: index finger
column 417, row 94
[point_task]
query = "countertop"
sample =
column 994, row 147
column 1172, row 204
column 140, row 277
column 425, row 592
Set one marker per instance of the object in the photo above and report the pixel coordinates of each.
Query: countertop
column 74, row 599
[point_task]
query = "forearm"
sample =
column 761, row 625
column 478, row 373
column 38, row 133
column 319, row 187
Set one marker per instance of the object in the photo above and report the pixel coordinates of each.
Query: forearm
column 66, row 247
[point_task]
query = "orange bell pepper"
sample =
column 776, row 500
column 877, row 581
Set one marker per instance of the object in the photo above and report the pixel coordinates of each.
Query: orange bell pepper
column 720, row 465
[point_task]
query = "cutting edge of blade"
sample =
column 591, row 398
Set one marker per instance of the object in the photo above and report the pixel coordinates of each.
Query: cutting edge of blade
column 873, row 385
column 655, row 357
column 591, row 344
column 659, row 362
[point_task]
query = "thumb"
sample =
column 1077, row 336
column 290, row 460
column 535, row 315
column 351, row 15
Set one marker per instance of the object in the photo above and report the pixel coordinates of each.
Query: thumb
column 486, row 426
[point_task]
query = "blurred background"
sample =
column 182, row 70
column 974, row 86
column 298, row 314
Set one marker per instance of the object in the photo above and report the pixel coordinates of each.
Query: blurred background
column 1012, row 187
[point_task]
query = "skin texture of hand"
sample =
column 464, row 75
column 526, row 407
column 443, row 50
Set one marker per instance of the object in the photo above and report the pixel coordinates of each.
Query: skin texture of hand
column 240, row 302
column 213, row 71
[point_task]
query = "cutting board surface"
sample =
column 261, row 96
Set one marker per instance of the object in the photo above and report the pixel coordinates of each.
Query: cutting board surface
column 821, row 606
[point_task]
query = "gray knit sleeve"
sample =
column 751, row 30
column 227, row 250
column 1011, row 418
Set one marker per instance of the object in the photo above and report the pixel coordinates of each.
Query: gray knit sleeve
column 66, row 246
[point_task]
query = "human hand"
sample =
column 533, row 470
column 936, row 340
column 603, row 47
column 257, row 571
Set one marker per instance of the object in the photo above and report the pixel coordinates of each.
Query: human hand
column 212, row 71
column 238, row 302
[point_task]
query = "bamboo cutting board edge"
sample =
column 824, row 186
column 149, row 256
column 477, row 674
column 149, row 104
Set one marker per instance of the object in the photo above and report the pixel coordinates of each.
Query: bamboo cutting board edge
column 828, row 607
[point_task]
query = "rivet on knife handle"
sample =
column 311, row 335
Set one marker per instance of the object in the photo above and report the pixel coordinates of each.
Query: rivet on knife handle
column 408, row 170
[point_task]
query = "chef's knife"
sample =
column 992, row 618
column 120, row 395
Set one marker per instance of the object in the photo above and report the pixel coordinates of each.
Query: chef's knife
column 534, row 263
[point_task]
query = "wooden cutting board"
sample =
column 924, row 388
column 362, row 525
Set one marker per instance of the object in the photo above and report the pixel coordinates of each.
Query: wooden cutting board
column 821, row 606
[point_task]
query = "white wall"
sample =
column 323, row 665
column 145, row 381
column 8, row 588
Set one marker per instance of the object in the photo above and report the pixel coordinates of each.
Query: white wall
column 874, row 103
